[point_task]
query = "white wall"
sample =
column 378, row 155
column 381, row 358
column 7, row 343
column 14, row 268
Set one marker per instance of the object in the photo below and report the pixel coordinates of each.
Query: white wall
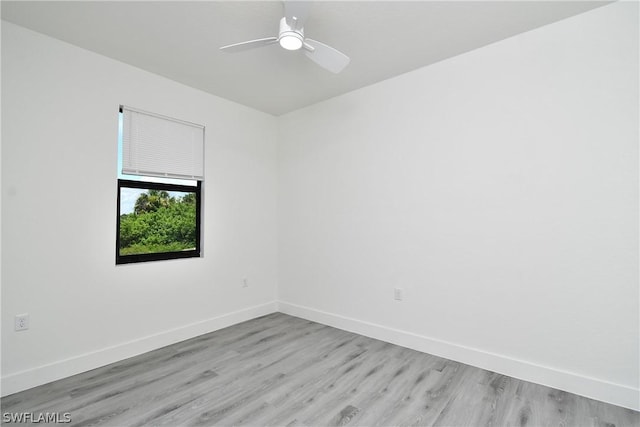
column 59, row 151
column 499, row 189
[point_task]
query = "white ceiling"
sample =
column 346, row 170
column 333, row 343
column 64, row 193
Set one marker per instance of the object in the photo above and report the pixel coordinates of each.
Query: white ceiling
column 180, row 39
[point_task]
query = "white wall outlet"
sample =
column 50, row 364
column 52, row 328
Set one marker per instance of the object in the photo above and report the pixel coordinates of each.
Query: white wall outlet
column 398, row 294
column 245, row 282
column 22, row 322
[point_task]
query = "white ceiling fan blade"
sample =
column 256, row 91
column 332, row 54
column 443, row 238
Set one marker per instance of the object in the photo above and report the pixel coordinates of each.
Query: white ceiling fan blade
column 251, row 44
column 325, row 56
column 296, row 13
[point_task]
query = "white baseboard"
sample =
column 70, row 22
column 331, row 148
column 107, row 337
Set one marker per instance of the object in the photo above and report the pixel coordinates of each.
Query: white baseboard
column 617, row 394
column 23, row 380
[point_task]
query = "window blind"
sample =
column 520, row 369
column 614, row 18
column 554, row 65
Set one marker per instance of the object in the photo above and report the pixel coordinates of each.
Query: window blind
column 154, row 145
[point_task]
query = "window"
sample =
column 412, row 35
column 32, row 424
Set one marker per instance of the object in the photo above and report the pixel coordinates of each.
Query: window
column 157, row 221
column 160, row 174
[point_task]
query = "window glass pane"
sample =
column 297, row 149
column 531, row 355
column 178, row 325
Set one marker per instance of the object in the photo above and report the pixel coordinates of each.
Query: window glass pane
column 157, row 221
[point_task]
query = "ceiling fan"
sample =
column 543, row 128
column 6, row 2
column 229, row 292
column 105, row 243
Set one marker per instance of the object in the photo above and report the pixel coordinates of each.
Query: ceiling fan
column 291, row 37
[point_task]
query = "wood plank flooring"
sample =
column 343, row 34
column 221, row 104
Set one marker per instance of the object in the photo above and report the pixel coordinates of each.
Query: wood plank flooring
column 285, row 371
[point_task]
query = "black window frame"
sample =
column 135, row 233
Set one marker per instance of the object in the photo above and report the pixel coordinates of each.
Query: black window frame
column 159, row 256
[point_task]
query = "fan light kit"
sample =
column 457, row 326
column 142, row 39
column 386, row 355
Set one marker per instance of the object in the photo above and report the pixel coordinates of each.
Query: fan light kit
column 291, row 37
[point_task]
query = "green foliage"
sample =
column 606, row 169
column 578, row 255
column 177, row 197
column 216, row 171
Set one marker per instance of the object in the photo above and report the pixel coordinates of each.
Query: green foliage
column 159, row 223
column 153, row 200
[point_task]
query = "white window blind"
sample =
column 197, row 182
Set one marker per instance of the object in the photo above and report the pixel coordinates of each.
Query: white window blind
column 154, row 145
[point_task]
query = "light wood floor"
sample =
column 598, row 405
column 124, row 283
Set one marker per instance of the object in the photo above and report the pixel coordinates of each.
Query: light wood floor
column 282, row 370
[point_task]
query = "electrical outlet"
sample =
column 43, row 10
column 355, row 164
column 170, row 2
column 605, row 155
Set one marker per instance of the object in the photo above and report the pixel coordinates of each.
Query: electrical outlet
column 22, row 322
column 245, row 282
column 398, row 294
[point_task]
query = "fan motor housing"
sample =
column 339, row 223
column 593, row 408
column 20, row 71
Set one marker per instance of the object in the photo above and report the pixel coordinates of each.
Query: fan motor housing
column 290, row 38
